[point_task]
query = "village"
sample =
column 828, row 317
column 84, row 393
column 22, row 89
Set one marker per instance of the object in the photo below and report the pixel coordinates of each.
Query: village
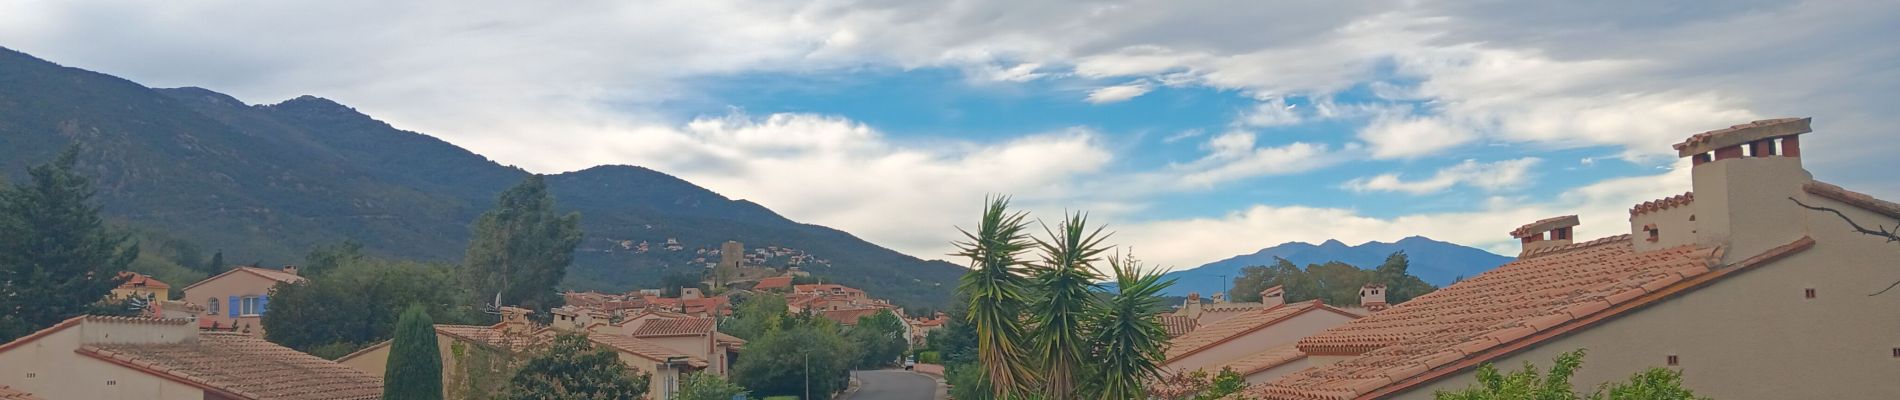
column 1754, row 283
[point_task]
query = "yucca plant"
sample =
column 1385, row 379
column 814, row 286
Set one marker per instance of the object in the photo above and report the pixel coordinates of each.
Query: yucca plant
column 996, row 290
column 1128, row 339
column 1065, row 285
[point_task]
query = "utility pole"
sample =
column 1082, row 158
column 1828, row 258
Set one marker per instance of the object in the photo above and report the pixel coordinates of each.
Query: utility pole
column 807, row 376
column 1224, row 285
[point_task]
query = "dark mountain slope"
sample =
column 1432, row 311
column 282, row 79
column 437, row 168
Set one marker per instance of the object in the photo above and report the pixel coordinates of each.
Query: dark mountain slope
column 268, row 182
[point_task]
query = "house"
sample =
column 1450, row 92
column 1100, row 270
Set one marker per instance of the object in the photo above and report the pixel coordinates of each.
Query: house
column 141, row 285
column 778, row 283
column 237, row 299
column 1255, row 343
column 1220, row 309
column 93, row 357
column 694, row 336
column 516, row 334
column 1738, row 284
column 832, row 290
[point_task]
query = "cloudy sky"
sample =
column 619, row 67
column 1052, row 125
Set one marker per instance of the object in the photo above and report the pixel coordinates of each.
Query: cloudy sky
column 1196, row 129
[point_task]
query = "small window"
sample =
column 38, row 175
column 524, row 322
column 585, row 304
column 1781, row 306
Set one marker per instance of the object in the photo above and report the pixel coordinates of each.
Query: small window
column 1809, row 293
column 1896, row 354
column 111, row 383
column 1673, row 361
column 211, row 307
column 1654, row 233
column 31, row 375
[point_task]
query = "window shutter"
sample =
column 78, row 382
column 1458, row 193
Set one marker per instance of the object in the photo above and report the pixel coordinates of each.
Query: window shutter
column 234, row 306
column 263, row 304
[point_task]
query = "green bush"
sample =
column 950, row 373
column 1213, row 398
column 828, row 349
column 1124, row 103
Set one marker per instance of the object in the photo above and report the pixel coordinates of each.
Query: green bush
column 929, row 357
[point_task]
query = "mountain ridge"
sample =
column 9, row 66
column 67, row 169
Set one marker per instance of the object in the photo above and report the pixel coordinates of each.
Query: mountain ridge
column 1437, row 262
column 267, row 182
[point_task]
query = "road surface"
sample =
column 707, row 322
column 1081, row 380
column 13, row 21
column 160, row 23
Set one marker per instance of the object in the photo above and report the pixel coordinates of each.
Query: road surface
column 895, row 384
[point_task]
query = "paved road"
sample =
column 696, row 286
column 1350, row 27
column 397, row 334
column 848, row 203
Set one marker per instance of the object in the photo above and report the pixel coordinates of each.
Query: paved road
column 893, row 384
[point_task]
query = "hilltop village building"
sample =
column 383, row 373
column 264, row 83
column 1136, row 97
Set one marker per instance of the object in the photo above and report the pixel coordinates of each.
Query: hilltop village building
column 1738, row 284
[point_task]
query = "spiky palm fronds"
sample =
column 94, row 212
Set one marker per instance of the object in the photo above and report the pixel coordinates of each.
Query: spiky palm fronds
column 1128, row 339
column 996, row 290
column 1065, row 281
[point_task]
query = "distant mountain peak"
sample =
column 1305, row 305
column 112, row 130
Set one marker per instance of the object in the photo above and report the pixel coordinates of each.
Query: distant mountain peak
column 1436, row 262
column 308, row 103
column 195, row 93
column 1333, row 243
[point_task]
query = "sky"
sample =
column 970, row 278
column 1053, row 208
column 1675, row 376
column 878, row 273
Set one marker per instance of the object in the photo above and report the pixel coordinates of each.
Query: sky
column 1195, row 130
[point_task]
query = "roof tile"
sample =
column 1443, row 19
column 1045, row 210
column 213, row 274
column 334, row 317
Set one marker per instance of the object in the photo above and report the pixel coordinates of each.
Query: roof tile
column 246, row 365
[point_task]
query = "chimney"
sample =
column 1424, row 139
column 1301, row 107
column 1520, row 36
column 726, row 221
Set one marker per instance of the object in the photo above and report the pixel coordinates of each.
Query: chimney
column 1220, row 298
column 1273, row 296
column 1744, row 176
column 290, row 269
column 566, row 318
column 1545, row 233
column 1192, row 308
column 1372, row 297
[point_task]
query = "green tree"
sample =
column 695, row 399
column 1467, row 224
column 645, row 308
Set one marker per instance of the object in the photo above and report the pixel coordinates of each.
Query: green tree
column 415, row 363
column 801, row 354
column 672, row 282
column 997, row 292
column 1198, row 385
column 521, row 248
column 571, row 368
column 57, row 258
column 879, row 339
column 753, row 317
column 216, row 264
column 358, row 304
column 706, row 386
column 1529, row 384
column 1128, row 337
column 1401, row 286
column 327, row 258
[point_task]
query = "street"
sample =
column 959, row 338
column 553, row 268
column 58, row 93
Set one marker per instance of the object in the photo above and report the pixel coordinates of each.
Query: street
column 895, row 385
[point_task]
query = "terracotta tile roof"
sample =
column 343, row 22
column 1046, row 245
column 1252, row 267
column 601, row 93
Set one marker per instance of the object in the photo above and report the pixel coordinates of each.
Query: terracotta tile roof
column 825, row 287
column 676, row 327
column 134, row 279
column 776, row 282
column 1663, row 204
column 1207, row 336
column 722, row 337
column 1544, row 225
column 1744, row 133
column 1514, row 301
column 271, row 274
column 1853, row 198
column 1232, row 307
column 642, row 348
column 1265, row 359
column 8, row 393
column 1177, row 325
column 243, row 366
column 849, row 317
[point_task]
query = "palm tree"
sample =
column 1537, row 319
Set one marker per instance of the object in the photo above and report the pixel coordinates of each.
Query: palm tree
column 996, row 291
column 1065, row 280
column 1128, row 338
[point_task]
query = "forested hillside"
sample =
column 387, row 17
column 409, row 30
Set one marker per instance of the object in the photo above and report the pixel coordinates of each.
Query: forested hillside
column 199, row 172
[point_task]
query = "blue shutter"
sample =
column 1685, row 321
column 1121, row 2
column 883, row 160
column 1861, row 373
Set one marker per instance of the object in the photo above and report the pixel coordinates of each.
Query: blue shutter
column 234, row 305
column 263, row 304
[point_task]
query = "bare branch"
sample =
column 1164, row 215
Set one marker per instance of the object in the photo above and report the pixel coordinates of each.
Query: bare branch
column 1880, row 231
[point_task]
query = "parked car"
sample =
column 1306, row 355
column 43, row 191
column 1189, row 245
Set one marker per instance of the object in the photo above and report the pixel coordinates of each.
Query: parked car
column 910, row 363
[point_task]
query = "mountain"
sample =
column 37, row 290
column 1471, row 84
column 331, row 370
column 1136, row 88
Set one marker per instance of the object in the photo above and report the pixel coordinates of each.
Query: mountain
column 267, row 183
column 1438, row 263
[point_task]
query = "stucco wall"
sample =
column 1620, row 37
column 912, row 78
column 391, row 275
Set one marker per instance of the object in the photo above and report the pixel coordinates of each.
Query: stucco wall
column 1279, row 334
column 1755, row 335
column 60, row 374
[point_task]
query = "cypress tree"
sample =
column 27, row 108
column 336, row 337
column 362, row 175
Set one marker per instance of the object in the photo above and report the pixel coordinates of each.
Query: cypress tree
column 415, row 364
column 521, row 248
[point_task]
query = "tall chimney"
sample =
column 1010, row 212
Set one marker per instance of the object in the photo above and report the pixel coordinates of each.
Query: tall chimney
column 514, row 320
column 1192, row 308
column 1372, row 297
column 1744, row 176
column 1273, row 297
column 1545, row 233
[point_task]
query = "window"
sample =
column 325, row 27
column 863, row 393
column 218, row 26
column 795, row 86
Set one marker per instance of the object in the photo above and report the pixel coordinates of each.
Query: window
column 1810, row 293
column 250, row 306
column 1673, row 360
column 1654, row 234
column 211, row 307
column 1896, row 354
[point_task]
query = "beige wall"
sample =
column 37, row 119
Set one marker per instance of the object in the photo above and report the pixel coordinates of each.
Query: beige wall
column 1674, row 228
column 1280, row 334
column 1754, row 335
column 375, row 362
column 57, row 373
column 222, row 287
column 696, row 346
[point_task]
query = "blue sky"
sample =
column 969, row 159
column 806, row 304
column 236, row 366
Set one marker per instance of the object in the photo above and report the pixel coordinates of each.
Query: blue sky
column 1196, row 129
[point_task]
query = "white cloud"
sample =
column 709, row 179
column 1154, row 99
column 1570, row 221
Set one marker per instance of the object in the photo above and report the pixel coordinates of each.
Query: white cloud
column 1491, row 176
column 1234, row 156
column 1271, row 112
column 1406, row 136
column 1118, row 93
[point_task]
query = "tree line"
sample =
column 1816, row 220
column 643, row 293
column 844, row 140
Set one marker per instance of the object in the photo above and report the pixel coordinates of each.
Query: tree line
column 1333, row 282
